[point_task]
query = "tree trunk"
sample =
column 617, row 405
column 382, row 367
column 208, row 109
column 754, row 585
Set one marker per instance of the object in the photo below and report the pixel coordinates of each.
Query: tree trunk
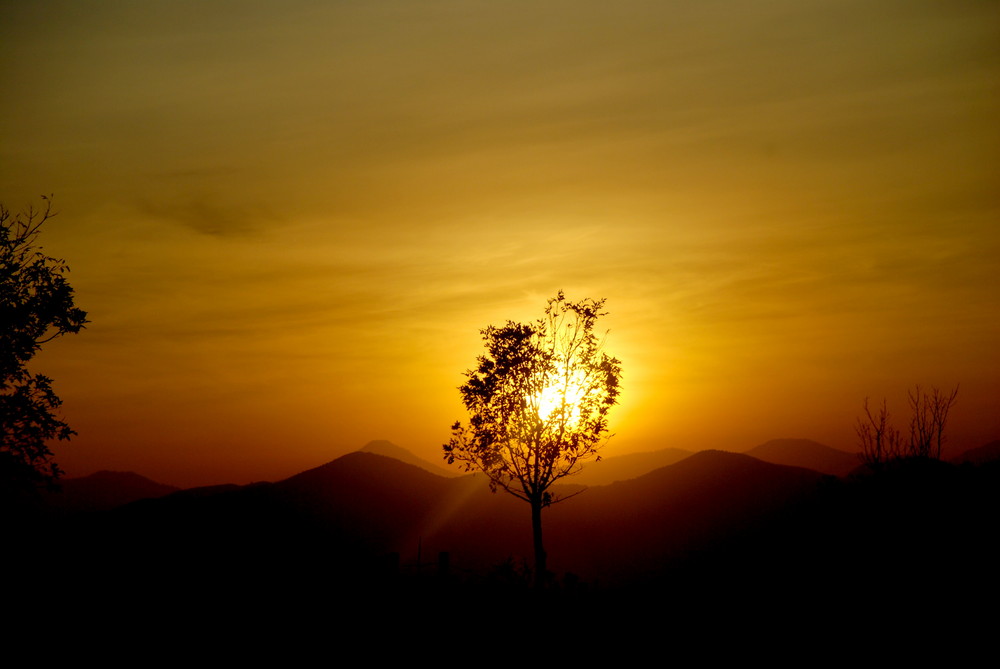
column 541, row 570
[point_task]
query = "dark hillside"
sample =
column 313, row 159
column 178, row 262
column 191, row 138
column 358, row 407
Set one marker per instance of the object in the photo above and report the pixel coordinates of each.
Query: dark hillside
column 104, row 490
column 718, row 524
column 637, row 526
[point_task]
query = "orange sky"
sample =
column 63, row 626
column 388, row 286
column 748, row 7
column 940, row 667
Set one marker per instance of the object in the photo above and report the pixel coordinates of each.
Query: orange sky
column 288, row 221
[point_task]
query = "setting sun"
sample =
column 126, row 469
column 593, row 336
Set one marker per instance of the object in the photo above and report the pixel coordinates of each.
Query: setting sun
column 561, row 400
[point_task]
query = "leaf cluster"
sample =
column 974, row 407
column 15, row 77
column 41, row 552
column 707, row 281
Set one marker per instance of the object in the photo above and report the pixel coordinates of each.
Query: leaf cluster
column 36, row 306
column 538, row 400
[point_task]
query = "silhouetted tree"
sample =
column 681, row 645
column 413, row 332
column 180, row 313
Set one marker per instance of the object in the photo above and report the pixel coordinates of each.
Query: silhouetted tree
column 36, row 306
column 930, row 415
column 881, row 442
column 538, row 403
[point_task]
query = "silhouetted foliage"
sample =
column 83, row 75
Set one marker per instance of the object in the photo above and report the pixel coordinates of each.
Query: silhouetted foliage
column 538, row 403
column 881, row 442
column 36, row 306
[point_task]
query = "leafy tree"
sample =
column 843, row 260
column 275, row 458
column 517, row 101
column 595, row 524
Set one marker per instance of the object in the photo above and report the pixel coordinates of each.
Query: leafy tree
column 538, row 402
column 36, row 306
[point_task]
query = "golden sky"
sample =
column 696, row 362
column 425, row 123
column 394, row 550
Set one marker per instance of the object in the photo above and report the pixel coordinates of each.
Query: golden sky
column 288, row 221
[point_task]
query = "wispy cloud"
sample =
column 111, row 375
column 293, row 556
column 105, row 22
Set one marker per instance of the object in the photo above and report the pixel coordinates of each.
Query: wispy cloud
column 210, row 217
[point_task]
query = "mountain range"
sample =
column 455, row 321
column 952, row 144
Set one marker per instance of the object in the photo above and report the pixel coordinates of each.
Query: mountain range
column 715, row 538
column 354, row 513
column 711, row 544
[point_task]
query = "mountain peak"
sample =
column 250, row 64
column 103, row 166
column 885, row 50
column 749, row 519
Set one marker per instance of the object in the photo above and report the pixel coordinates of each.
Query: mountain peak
column 390, row 450
column 385, row 447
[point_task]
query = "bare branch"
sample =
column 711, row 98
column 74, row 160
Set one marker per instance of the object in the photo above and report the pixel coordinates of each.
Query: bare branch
column 881, row 443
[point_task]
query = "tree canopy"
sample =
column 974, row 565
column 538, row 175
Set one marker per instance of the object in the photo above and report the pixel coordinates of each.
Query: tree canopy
column 538, row 402
column 36, row 306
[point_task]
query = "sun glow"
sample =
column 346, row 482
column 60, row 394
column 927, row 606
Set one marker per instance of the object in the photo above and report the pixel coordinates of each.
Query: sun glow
column 561, row 400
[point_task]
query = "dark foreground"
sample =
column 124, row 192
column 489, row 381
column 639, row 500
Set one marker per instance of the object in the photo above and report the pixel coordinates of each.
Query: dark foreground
column 908, row 554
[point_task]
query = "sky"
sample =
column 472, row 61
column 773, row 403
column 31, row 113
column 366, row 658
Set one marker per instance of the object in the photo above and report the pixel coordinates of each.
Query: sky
column 288, row 222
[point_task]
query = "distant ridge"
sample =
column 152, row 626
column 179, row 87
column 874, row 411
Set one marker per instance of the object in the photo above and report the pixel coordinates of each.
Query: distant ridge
column 106, row 490
column 391, row 450
column 806, row 453
column 628, row 466
column 986, row 453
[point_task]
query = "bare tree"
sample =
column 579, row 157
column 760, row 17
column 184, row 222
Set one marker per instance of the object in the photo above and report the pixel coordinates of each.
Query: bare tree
column 930, row 415
column 881, row 442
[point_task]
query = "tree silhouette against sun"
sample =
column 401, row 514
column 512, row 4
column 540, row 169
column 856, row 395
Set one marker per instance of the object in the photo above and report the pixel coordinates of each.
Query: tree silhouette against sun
column 538, row 402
